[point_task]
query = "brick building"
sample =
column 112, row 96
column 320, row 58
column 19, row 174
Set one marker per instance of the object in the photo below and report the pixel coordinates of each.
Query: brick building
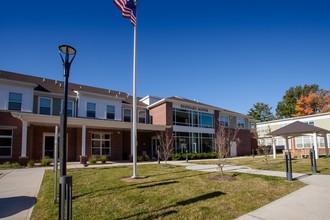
column 99, row 121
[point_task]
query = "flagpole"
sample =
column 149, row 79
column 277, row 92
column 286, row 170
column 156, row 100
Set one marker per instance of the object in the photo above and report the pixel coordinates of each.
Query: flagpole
column 134, row 130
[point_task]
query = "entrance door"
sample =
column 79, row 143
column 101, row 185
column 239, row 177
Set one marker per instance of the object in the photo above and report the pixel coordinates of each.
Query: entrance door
column 49, row 146
column 154, row 145
column 233, row 149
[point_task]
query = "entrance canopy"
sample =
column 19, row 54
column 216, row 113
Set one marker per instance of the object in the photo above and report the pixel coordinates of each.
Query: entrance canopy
column 297, row 129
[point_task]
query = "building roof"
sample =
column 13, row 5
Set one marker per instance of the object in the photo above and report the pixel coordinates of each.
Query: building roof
column 297, row 129
column 56, row 87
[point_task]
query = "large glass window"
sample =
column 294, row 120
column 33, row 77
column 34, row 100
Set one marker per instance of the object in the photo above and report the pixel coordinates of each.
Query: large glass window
column 240, row 122
column 6, row 139
column 101, row 143
column 191, row 118
column 45, row 106
column 142, row 116
column 110, row 112
column 127, row 115
column 224, row 120
column 91, row 110
column 15, row 101
column 193, row 142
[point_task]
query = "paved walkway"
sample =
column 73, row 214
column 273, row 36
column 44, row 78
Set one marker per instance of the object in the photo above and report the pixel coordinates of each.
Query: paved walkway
column 309, row 202
column 19, row 189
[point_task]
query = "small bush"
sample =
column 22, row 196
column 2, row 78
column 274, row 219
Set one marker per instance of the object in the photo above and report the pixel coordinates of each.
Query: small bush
column 194, row 156
column 143, row 158
column 46, row 161
column 103, row 159
column 31, row 163
column 9, row 165
column 92, row 160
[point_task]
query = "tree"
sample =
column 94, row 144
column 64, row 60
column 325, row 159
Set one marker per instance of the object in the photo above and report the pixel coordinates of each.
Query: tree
column 165, row 147
column 313, row 103
column 286, row 108
column 224, row 138
column 261, row 111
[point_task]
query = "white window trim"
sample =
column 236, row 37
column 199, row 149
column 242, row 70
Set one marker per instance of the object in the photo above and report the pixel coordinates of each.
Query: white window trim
column 130, row 113
column 51, row 104
column 17, row 102
column 73, row 108
column 87, row 109
column 145, row 116
column 114, row 112
column 101, row 139
column 12, row 138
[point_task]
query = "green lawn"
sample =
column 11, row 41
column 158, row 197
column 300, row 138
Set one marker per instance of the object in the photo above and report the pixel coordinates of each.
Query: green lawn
column 165, row 193
column 298, row 165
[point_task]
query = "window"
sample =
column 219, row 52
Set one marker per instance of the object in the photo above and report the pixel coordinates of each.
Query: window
column 45, row 106
column 15, row 101
column 110, row 112
column 101, row 144
column 91, row 110
column 127, row 115
column 191, row 118
column 142, row 117
column 206, row 120
column 6, row 139
column 70, row 111
column 240, row 122
column 224, row 120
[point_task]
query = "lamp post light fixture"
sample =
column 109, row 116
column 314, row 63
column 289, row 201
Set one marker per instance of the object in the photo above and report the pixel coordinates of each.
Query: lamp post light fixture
column 65, row 189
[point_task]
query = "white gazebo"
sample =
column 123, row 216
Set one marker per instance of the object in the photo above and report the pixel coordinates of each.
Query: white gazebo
column 297, row 129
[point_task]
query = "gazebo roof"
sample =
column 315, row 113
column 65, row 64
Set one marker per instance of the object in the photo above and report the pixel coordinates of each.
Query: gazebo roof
column 298, row 128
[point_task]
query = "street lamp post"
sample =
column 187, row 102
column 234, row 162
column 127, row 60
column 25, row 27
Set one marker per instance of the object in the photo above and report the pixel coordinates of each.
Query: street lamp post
column 65, row 189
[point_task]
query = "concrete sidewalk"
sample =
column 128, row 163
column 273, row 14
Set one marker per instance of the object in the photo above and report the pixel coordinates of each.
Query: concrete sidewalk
column 309, row 202
column 19, row 189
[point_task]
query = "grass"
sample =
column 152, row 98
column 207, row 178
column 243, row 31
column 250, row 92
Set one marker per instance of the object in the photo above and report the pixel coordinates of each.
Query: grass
column 298, row 165
column 165, row 193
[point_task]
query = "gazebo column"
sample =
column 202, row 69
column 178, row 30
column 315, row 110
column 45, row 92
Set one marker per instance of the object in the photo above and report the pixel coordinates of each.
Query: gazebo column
column 315, row 146
column 326, row 145
column 286, row 147
column 274, row 148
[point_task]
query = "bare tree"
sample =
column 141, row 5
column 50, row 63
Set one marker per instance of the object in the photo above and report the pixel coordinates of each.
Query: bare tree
column 223, row 140
column 264, row 149
column 165, row 147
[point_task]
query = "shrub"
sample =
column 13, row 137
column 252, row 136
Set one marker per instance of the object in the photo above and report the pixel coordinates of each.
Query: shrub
column 9, row 165
column 46, row 161
column 194, row 156
column 143, row 158
column 31, row 163
column 92, row 160
column 103, row 159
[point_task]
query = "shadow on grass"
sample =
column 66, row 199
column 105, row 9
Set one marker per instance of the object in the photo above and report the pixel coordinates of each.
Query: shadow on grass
column 181, row 203
column 157, row 184
column 139, row 185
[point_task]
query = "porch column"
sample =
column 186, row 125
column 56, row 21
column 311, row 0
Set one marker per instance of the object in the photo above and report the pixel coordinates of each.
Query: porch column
column 83, row 157
column 83, row 141
column 315, row 146
column 326, row 145
column 24, row 138
column 23, row 159
column 274, row 148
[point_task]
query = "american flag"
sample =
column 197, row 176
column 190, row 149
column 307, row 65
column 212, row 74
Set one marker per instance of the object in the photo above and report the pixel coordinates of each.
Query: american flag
column 128, row 9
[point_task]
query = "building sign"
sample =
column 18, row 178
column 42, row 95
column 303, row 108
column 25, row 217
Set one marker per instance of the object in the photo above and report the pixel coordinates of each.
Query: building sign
column 194, row 108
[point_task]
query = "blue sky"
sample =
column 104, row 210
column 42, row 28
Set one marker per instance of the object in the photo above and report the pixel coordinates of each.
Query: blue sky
column 227, row 53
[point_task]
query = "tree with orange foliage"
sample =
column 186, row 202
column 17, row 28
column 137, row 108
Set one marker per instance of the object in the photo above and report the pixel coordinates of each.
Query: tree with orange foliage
column 313, row 103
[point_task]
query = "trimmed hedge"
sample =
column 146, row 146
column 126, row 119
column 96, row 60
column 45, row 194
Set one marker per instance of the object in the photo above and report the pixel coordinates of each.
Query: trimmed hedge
column 194, row 156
